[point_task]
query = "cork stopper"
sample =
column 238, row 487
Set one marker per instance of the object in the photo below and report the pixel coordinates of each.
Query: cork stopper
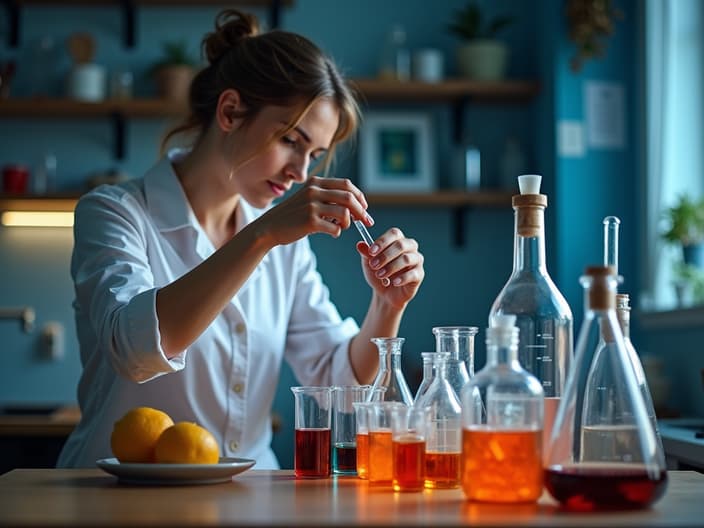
column 529, row 206
column 602, row 291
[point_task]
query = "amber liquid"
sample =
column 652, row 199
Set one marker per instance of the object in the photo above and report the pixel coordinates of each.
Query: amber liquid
column 408, row 455
column 502, row 466
column 590, row 487
column 379, row 470
column 362, row 455
column 442, row 470
column 311, row 458
column 344, row 458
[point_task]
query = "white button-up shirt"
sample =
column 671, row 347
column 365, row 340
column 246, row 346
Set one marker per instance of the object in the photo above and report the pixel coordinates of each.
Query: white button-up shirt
column 134, row 238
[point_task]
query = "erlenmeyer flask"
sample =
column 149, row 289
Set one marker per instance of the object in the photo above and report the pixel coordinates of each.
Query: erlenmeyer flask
column 443, row 435
column 459, row 342
column 428, row 374
column 502, row 436
column 390, row 375
column 603, row 451
column 542, row 315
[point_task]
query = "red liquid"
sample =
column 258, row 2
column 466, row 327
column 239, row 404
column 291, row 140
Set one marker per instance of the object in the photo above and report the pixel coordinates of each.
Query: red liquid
column 442, row 470
column 408, row 454
column 311, row 457
column 362, row 455
column 344, row 457
column 604, row 487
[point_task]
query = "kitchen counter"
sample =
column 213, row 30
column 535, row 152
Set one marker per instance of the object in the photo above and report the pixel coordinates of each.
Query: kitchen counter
column 57, row 422
column 90, row 497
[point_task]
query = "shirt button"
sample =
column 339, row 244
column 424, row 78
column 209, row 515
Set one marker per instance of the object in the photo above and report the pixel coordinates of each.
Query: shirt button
column 234, row 445
column 237, row 388
column 239, row 328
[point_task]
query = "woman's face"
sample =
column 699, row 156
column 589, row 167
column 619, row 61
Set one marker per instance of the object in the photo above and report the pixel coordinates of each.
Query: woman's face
column 286, row 160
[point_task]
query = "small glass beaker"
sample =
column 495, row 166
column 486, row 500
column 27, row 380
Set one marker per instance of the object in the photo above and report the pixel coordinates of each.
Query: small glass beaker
column 459, row 342
column 361, row 414
column 344, row 428
column 380, row 468
column 311, row 457
column 409, row 430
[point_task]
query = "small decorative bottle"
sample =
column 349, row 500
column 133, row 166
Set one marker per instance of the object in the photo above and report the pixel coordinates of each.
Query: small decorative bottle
column 395, row 59
column 502, row 437
column 390, row 376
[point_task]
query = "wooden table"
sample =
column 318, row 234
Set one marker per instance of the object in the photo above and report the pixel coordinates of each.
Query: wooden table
column 89, row 497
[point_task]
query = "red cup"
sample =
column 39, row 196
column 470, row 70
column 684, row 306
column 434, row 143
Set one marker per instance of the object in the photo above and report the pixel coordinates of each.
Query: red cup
column 15, row 179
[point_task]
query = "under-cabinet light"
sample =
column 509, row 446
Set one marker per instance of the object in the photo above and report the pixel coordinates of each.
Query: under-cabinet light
column 37, row 218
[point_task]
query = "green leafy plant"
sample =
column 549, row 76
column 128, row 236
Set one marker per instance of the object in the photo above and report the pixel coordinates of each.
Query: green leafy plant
column 470, row 25
column 686, row 275
column 174, row 53
column 685, row 222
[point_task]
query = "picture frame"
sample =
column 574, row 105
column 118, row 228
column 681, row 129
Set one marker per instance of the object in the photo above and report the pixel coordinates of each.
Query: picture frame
column 396, row 153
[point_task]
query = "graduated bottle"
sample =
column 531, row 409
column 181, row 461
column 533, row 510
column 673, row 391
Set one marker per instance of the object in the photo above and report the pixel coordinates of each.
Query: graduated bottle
column 542, row 315
column 603, row 452
column 502, row 438
column 390, row 376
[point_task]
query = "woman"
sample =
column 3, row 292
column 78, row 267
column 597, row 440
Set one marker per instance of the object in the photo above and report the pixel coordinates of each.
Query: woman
column 191, row 287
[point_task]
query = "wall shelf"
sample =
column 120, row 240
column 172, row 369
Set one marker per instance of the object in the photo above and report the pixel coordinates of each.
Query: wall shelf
column 128, row 8
column 450, row 90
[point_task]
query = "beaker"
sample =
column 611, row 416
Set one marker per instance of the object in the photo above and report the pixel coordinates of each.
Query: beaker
column 603, row 451
column 361, row 415
column 390, row 376
column 380, row 468
column 311, row 456
column 344, row 428
column 409, row 430
column 459, row 342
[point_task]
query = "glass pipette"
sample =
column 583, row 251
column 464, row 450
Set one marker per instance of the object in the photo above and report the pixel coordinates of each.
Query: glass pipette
column 368, row 240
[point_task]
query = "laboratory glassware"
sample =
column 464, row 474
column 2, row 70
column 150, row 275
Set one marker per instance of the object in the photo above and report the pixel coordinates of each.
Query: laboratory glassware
column 502, row 438
column 390, row 376
column 344, row 427
column 443, row 441
column 428, row 374
column 311, row 456
column 368, row 240
column 380, row 467
column 459, row 342
column 408, row 436
column 603, row 451
column 542, row 315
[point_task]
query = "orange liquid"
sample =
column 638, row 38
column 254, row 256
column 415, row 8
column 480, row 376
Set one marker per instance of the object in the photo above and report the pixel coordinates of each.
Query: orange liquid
column 379, row 470
column 442, row 470
column 408, row 463
column 362, row 454
column 502, row 466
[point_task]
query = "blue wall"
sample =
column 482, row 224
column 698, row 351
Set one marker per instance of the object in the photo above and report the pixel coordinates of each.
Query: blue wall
column 461, row 282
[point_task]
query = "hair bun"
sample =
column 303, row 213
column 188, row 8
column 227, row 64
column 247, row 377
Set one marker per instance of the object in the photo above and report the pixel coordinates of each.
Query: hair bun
column 231, row 26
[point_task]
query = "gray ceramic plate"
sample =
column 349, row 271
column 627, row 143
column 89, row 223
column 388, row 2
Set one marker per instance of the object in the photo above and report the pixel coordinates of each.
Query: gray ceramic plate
column 175, row 474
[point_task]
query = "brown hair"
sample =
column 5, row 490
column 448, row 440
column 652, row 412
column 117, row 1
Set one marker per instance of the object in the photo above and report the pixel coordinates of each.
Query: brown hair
column 274, row 68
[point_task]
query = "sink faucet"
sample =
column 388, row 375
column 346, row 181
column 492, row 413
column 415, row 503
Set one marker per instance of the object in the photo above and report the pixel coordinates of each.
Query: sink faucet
column 25, row 314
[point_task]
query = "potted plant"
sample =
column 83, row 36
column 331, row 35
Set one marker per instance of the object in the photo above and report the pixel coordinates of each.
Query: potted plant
column 174, row 71
column 481, row 55
column 685, row 226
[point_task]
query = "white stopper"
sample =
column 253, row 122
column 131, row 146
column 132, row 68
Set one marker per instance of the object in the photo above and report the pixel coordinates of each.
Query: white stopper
column 502, row 330
column 529, row 183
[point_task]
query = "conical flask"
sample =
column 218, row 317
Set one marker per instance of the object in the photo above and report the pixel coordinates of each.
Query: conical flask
column 542, row 315
column 443, row 434
column 458, row 341
column 428, row 374
column 390, row 376
column 603, row 451
column 502, row 437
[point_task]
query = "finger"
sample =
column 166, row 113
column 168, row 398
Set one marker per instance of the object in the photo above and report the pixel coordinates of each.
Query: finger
column 341, row 184
column 334, row 213
column 347, row 200
column 394, row 250
column 326, row 225
column 410, row 277
column 402, row 263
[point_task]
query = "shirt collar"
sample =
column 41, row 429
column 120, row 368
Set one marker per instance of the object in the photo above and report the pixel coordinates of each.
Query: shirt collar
column 166, row 201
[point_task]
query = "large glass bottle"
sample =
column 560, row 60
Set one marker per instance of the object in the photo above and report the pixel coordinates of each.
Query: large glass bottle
column 502, row 438
column 458, row 341
column 542, row 315
column 390, row 376
column 603, row 451
column 442, row 441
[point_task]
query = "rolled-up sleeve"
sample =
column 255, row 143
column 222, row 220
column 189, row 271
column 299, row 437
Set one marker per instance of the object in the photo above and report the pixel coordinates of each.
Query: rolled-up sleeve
column 114, row 286
column 317, row 345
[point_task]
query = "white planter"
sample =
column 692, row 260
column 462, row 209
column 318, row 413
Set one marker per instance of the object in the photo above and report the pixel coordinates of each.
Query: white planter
column 482, row 60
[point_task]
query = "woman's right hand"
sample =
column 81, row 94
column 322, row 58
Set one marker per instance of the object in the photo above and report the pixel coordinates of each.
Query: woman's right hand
column 321, row 205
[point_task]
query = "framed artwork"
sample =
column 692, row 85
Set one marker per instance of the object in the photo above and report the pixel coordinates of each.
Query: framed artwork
column 396, row 153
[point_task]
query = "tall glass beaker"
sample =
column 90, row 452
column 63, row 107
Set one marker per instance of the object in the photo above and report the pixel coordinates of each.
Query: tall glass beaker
column 542, row 315
column 603, row 451
column 313, row 411
column 459, row 342
column 390, row 376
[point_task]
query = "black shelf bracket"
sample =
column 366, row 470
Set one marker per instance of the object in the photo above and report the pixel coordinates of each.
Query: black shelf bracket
column 274, row 14
column 458, row 109
column 129, row 17
column 119, row 134
column 459, row 215
column 13, row 17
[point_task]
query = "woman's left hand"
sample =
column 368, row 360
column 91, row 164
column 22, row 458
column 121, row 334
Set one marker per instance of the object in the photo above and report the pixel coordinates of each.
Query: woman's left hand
column 396, row 258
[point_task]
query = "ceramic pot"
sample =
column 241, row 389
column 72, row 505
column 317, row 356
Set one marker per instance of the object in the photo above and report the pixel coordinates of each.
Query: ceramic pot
column 173, row 82
column 482, row 60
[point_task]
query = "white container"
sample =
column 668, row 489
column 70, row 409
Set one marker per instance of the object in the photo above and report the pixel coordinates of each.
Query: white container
column 428, row 65
column 86, row 82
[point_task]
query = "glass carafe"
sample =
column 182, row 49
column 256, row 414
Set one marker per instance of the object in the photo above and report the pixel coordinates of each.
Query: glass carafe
column 603, row 451
column 542, row 315
column 442, row 443
column 428, row 374
column 502, row 437
column 390, row 376
column 458, row 341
